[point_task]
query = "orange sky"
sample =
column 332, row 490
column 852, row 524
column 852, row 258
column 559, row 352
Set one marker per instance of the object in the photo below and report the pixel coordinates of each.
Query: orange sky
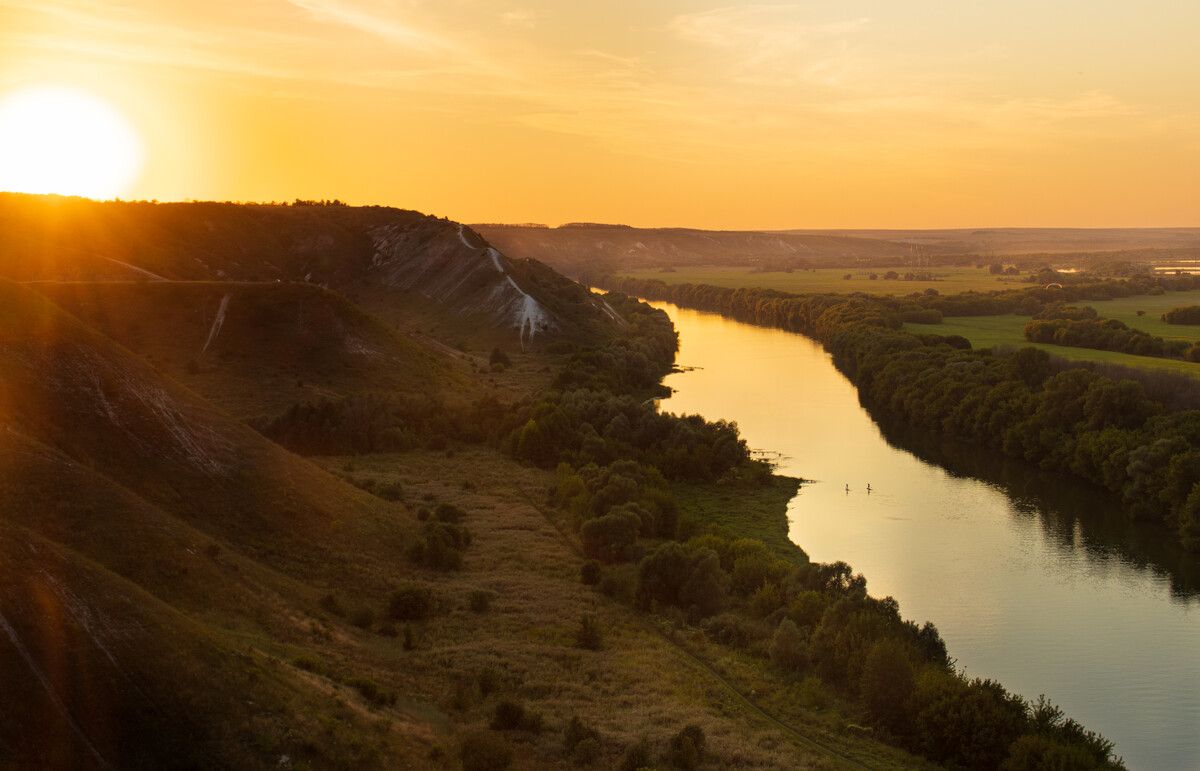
column 870, row 113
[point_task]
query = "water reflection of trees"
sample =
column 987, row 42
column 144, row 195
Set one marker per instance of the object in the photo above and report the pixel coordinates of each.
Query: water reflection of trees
column 1074, row 517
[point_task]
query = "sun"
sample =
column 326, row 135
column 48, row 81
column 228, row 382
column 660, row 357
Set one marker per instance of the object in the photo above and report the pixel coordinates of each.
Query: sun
column 60, row 139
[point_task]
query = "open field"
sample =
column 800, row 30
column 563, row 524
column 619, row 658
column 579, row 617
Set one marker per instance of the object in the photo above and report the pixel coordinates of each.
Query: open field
column 988, row 331
column 946, row 280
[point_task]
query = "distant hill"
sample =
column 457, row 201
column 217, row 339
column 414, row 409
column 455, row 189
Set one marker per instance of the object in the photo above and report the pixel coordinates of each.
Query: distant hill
column 578, row 248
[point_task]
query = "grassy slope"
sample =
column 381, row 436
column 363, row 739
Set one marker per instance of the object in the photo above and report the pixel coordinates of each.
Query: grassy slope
column 279, row 343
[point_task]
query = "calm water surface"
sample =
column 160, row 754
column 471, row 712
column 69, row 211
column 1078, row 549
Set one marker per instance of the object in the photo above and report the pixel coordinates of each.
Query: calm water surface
column 1031, row 580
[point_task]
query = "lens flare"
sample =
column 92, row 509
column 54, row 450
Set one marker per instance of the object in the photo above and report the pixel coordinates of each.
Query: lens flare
column 59, row 139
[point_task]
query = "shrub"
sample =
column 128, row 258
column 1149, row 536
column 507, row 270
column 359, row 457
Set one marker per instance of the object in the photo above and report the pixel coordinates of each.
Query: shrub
column 411, row 603
column 586, row 752
column 686, row 747
column 362, row 617
column 589, row 635
column 330, row 604
column 581, row 742
column 371, row 691
column 499, row 359
column 485, row 751
column 480, row 601
column 488, row 680
column 508, row 716
column 591, row 572
column 637, row 755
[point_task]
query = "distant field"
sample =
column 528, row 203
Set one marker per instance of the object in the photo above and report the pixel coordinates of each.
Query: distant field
column 946, row 280
column 988, row 331
column 982, row 331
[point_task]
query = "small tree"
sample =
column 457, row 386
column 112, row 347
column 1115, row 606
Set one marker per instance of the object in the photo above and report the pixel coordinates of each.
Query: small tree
column 787, row 647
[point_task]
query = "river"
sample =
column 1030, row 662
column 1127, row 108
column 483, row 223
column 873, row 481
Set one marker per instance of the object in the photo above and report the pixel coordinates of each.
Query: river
column 1032, row 580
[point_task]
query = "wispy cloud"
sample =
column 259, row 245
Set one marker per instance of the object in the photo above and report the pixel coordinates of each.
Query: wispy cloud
column 382, row 25
column 520, row 17
column 772, row 44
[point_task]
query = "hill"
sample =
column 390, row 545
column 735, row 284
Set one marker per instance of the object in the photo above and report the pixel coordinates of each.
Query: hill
column 256, row 349
column 149, row 538
column 176, row 591
column 592, row 248
column 584, row 247
column 404, row 266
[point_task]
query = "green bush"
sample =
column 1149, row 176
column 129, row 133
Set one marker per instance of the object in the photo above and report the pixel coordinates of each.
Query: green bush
column 411, row 603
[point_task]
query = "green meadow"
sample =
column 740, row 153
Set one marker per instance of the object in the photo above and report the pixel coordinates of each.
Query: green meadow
column 989, row 331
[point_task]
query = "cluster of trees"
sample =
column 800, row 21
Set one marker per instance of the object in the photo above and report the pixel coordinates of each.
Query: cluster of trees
column 443, row 538
column 383, row 422
column 1189, row 314
column 1102, row 334
column 598, row 413
column 1076, row 421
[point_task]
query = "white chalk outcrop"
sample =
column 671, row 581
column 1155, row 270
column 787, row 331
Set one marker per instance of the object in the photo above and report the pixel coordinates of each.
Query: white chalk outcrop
column 453, row 265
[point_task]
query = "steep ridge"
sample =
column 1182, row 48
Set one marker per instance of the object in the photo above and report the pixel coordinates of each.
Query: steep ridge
column 395, row 263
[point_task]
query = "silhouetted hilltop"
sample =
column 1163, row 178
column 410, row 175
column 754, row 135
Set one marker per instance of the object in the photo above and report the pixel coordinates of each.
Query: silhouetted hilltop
column 401, row 265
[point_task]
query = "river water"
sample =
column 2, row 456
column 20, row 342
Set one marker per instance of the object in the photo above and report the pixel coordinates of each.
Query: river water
column 1032, row 580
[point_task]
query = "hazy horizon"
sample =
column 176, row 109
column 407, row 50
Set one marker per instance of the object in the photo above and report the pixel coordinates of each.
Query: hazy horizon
column 731, row 116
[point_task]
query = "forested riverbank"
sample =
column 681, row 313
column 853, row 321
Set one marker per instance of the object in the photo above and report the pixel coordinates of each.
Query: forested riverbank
column 1126, row 431
column 811, row 629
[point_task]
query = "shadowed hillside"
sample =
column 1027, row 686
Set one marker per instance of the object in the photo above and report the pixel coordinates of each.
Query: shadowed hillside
column 259, row 348
column 403, row 266
column 141, row 526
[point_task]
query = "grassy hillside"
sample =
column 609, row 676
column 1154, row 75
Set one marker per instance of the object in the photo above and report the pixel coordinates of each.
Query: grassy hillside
column 273, row 344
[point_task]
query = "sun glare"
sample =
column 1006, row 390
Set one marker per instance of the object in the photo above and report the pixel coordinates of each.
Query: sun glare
column 58, row 139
